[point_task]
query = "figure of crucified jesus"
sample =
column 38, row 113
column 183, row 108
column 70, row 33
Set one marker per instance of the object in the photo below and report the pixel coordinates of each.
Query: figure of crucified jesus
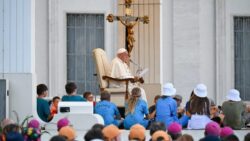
column 130, row 37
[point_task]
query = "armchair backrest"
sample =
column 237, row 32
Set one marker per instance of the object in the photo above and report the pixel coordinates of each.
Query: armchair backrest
column 103, row 66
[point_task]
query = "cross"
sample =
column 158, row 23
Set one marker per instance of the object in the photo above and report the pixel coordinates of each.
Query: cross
column 129, row 22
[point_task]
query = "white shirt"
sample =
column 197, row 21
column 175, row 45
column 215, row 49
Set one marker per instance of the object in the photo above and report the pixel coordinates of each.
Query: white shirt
column 198, row 121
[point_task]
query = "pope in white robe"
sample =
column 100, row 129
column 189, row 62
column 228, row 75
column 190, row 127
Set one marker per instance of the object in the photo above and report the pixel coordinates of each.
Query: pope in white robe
column 120, row 69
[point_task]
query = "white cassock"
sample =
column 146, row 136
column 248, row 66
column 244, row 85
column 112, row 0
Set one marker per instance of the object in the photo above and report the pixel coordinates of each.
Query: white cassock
column 120, row 69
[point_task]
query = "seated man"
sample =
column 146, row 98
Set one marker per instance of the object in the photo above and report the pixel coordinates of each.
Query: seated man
column 43, row 109
column 108, row 110
column 71, row 90
column 120, row 69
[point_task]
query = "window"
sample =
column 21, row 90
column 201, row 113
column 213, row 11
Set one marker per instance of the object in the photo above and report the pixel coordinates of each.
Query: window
column 84, row 33
column 242, row 55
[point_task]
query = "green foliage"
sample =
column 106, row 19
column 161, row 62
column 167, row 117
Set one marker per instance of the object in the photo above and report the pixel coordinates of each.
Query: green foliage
column 25, row 121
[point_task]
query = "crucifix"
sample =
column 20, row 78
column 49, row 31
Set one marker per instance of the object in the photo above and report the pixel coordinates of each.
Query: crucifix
column 129, row 22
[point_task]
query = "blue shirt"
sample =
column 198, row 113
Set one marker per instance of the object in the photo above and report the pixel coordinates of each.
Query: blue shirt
column 137, row 116
column 43, row 109
column 108, row 111
column 72, row 98
column 166, row 112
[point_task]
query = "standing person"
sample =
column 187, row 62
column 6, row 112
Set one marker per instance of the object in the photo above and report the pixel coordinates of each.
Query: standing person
column 166, row 107
column 54, row 105
column 43, row 109
column 136, row 109
column 234, row 109
column 71, row 90
column 199, row 108
column 108, row 110
column 120, row 69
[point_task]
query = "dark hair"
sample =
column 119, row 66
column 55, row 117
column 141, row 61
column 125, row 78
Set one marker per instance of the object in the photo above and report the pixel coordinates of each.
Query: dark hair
column 11, row 128
column 86, row 94
column 174, row 136
column 185, row 137
column 217, row 119
column 58, row 138
column 55, row 98
column 98, row 126
column 247, row 137
column 160, row 138
column 70, row 87
column 94, row 134
column 199, row 105
column 157, row 97
column 157, row 126
column 105, row 95
column 41, row 88
column 231, row 138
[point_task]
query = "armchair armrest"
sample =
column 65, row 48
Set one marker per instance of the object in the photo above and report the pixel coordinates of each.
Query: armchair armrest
column 118, row 79
column 132, row 80
column 126, row 80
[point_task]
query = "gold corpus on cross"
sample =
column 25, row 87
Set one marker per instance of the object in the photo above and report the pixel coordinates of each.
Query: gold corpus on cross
column 129, row 22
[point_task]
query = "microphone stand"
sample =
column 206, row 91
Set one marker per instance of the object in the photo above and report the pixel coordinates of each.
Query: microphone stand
column 136, row 64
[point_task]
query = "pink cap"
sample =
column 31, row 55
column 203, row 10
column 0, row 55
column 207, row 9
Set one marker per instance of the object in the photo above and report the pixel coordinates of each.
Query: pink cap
column 62, row 122
column 34, row 123
column 213, row 129
column 226, row 131
column 174, row 128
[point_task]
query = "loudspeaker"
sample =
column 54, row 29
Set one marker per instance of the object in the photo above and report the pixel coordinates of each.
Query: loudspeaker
column 4, row 99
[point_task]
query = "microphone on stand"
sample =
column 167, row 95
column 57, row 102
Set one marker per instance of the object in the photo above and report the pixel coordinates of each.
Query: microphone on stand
column 130, row 60
column 136, row 64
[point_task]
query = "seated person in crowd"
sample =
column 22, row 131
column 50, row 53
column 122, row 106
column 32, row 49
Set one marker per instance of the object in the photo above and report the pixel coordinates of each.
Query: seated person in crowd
column 89, row 97
column 111, row 133
column 199, row 108
column 108, row 110
column 156, row 126
column 71, row 90
column 166, row 107
column 120, row 69
column 54, row 105
column 136, row 109
column 43, row 109
column 247, row 116
column 188, row 102
column 215, row 115
column 234, row 109
column 152, row 108
column 180, row 110
column 175, row 130
column 137, row 133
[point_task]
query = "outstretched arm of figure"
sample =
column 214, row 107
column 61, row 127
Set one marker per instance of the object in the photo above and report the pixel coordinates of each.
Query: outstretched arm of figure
column 119, row 18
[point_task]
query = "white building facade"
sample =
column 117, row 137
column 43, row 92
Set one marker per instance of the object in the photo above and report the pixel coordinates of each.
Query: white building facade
column 189, row 42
